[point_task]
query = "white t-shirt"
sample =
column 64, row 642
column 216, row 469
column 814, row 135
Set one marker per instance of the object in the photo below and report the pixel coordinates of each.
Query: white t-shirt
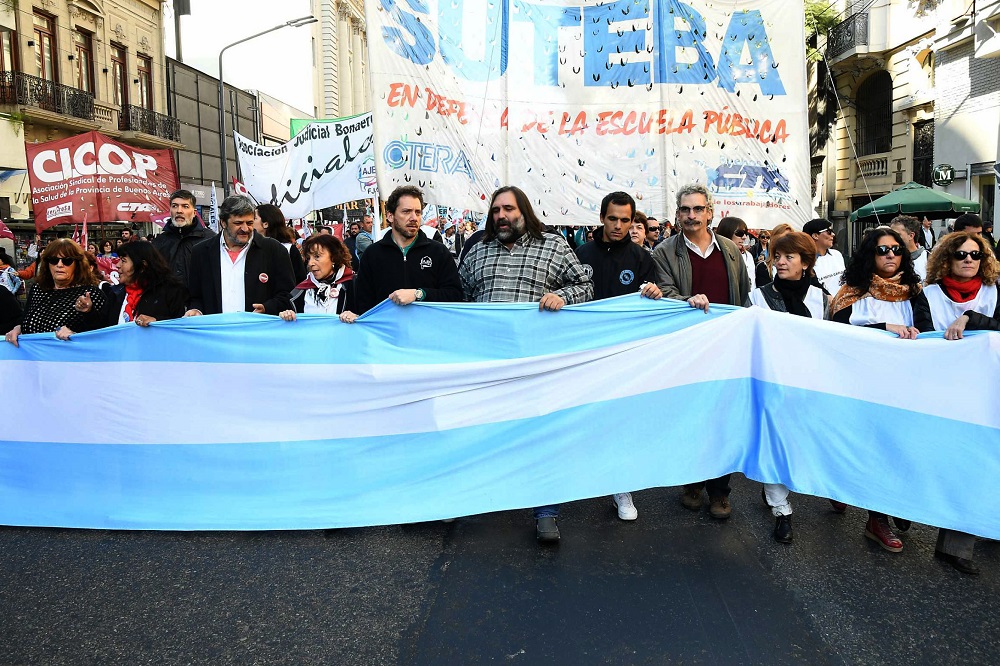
column 829, row 269
column 945, row 311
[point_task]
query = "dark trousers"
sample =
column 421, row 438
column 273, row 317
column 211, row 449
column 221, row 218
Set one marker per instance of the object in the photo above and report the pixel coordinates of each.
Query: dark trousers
column 716, row 487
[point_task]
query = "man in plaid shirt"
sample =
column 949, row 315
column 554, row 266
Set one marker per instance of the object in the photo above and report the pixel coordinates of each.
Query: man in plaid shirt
column 518, row 262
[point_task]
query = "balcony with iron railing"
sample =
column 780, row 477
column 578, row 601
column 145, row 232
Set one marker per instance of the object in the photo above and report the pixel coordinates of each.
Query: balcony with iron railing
column 847, row 35
column 31, row 91
column 147, row 121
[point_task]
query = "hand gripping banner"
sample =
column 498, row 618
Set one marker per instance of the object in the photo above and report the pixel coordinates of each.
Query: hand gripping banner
column 572, row 100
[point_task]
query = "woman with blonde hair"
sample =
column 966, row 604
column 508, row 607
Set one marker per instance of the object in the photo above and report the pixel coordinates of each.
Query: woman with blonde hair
column 765, row 268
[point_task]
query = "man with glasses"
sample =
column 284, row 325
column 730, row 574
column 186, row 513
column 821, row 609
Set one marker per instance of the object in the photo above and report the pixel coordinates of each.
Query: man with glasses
column 652, row 233
column 238, row 270
column 702, row 268
column 829, row 266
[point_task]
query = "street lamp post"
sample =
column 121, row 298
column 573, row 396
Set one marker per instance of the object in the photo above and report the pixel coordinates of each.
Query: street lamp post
column 294, row 23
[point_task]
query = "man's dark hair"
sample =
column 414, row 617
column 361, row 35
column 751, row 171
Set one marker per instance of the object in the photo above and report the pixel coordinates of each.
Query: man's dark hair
column 966, row 220
column 183, row 194
column 911, row 224
column 532, row 225
column 236, row 204
column 403, row 191
column 618, row 199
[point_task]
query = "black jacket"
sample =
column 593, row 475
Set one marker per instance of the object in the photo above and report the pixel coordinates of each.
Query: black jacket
column 267, row 277
column 617, row 268
column 10, row 311
column 428, row 265
column 176, row 244
column 167, row 300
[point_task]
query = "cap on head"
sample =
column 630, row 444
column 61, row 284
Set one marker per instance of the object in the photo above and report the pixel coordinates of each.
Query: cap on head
column 816, row 226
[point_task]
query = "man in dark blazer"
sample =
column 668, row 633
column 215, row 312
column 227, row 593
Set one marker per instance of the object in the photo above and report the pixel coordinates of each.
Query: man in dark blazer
column 238, row 270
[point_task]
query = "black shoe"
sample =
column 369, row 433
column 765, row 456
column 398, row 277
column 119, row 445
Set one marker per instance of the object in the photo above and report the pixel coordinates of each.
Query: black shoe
column 546, row 530
column 960, row 563
column 901, row 524
column 783, row 529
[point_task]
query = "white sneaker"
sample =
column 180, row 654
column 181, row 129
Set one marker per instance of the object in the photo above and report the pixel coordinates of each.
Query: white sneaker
column 626, row 510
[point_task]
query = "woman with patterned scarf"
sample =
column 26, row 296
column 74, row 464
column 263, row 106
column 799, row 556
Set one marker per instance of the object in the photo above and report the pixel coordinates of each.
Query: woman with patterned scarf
column 881, row 290
column 329, row 286
column 961, row 295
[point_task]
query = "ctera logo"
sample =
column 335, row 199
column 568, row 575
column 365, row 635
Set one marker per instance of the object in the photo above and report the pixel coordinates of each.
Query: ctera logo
column 136, row 207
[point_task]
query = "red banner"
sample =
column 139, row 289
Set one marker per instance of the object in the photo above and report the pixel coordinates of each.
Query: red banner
column 92, row 176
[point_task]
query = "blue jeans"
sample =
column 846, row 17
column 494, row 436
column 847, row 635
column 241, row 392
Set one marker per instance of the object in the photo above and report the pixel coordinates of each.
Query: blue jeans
column 551, row 511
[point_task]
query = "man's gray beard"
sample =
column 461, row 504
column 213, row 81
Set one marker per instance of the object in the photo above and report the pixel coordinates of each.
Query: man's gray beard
column 183, row 222
column 516, row 231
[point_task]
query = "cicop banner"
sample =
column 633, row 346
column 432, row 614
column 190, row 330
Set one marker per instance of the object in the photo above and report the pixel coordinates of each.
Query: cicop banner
column 326, row 164
column 90, row 176
column 576, row 99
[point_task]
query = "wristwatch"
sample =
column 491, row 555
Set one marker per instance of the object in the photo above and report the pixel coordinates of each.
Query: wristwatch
column 421, row 295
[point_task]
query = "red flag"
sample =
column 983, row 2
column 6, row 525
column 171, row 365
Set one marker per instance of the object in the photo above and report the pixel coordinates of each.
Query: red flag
column 76, row 233
column 90, row 173
column 5, row 232
column 83, row 236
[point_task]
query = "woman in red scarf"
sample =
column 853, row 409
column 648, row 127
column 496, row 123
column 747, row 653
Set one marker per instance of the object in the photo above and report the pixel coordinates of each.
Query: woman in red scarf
column 147, row 290
column 881, row 290
column 962, row 291
column 961, row 295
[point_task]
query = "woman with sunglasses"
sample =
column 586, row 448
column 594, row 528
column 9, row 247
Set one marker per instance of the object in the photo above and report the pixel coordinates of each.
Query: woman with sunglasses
column 880, row 290
column 961, row 295
column 736, row 230
column 793, row 256
column 65, row 298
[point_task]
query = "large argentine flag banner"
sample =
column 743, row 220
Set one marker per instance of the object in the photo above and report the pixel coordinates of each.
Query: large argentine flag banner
column 573, row 99
column 432, row 411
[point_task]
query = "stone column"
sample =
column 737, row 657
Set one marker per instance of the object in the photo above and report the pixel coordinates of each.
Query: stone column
column 345, row 86
column 357, row 71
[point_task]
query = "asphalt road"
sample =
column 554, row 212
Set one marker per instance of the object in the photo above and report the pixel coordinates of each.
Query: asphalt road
column 674, row 587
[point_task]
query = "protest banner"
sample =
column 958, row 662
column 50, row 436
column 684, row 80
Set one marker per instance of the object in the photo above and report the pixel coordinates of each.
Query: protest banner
column 573, row 101
column 92, row 176
column 324, row 165
column 424, row 430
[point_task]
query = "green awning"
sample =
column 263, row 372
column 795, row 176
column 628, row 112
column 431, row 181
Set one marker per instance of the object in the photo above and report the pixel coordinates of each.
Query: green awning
column 916, row 200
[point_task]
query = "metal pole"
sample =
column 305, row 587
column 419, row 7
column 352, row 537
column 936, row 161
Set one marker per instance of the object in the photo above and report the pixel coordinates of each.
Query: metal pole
column 295, row 23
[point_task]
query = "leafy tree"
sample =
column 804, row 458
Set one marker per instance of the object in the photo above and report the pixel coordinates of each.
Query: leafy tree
column 821, row 17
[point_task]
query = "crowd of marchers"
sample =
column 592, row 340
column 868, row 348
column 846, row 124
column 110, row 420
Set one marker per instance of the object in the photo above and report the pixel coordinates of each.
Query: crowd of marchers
column 902, row 279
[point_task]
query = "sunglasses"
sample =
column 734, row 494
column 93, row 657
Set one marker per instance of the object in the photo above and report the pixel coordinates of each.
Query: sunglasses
column 65, row 261
column 653, row 229
column 883, row 250
column 975, row 255
column 741, row 233
column 698, row 210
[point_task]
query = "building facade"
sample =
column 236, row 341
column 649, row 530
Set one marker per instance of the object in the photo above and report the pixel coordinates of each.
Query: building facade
column 340, row 59
column 73, row 66
column 193, row 99
column 275, row 119
column 919, row 86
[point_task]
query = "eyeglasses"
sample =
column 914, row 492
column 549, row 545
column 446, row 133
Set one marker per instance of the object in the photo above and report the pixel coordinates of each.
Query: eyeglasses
column 975, row 255
column 883, row 250
column 653, row 229
column 65, row 261
column 698, row 210
column 741, row 233
column 828, row 231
